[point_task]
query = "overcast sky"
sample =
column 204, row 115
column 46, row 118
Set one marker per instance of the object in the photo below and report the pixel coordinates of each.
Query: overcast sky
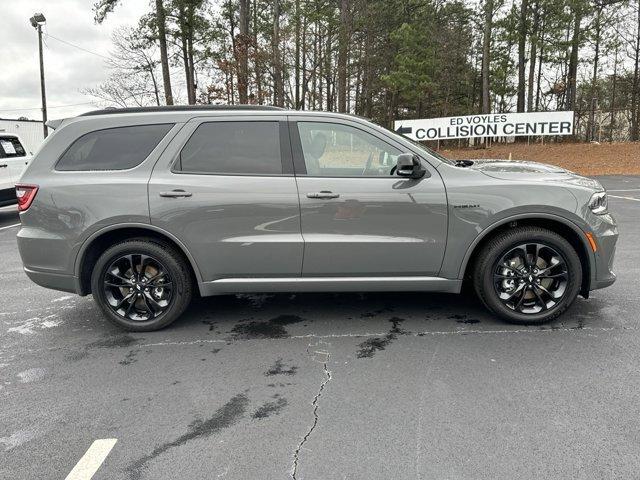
column 67, row 69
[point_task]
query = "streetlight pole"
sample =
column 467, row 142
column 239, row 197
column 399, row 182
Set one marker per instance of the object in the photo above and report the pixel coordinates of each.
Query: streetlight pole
column 37, row 21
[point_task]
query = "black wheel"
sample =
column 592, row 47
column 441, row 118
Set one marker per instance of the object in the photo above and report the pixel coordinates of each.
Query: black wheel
column 528, row 275
column 141, row 284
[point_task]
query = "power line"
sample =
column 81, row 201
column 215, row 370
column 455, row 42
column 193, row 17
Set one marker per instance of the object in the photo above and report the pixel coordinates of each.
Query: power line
column 48, row 35
column 39, row 108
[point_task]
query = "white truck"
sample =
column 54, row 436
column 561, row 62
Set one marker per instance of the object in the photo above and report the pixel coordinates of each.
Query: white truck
column 14, row 158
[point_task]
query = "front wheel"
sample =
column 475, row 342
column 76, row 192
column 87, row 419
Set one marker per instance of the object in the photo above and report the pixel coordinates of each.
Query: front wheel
column 528, row 275
column 141, row 284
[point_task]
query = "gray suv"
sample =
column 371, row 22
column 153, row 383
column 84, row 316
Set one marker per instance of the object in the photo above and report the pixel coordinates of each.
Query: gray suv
column 144, row 208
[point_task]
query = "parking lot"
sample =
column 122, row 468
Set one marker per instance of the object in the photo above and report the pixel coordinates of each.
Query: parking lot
column 324, row 386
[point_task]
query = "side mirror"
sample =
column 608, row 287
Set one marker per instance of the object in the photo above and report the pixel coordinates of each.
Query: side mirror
column 408, row 165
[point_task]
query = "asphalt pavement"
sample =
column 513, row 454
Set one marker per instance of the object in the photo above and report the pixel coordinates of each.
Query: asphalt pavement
column 324, row 386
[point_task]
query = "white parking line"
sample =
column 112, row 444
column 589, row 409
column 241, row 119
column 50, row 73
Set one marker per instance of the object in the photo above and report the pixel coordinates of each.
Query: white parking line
column 91, row 461
column 625, row 198
column 10, row 226
column 623, row 190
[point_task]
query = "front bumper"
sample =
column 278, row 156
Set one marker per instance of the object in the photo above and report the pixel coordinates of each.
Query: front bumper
column 606, row 236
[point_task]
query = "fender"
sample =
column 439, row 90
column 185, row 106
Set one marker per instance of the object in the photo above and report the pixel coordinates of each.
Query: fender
column 144, row 226
column 523, row 216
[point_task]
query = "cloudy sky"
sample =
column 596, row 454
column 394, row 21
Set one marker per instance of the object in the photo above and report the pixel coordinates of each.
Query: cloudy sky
column 67, row 69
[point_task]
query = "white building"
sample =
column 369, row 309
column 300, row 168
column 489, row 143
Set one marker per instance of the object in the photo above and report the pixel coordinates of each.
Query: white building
column 29, row 131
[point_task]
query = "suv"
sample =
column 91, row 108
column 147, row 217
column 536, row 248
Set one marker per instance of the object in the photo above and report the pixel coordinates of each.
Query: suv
column 145, row 207
column 13, row 161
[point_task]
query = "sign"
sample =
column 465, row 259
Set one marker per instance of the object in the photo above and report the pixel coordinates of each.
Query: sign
column 8, row 147
column 487, row 125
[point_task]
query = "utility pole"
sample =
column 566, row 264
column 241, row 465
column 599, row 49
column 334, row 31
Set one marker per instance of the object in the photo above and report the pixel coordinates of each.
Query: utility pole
column 36, row 22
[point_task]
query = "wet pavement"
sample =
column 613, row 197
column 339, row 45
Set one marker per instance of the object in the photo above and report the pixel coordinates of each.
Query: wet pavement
column 325, row 386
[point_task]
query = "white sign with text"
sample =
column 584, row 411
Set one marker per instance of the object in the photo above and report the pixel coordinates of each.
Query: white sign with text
column 487, row 125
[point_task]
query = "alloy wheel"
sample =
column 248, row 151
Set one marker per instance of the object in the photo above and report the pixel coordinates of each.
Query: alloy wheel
column 531, row 278
column 138, row 287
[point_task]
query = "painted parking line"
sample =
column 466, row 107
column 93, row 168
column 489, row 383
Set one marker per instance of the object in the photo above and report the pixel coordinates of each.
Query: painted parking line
column 10, row 226
column 625, row 198
column 90, row 462
column 623, row 189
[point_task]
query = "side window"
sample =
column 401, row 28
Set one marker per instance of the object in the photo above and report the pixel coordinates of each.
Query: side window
column 233, row 148
column 113, row 148
column 333, row 149
column 11, row 147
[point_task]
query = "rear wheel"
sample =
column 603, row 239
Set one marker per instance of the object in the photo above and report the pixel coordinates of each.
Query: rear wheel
column 528, row 275
column 141, row 284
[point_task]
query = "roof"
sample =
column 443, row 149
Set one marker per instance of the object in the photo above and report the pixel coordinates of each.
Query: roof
column 180, row 108
column 20, row 120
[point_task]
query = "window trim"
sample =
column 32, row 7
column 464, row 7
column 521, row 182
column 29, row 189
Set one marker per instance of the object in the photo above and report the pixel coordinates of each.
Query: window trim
column 298, row 153
column 286, row 156
column 5, row 155
column 55, row 165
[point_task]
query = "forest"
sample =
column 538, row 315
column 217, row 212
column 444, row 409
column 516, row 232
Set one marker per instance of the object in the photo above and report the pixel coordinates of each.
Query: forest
column 386, row 59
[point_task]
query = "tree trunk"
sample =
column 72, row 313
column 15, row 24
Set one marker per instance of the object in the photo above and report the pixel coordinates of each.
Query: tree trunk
column 486, row 52
column 532, row 56
column 327, row 71
column 303, row 94
column 278, row 85
column 590, row 134
column 242, row 55
column 634, row 94
column 612, row 126
column 257, row 64
column 343, row 46
column 185, row 53
column 164, row 57
column 572, row 74
column 297, row 55
column 522, row 45
column 540, row 62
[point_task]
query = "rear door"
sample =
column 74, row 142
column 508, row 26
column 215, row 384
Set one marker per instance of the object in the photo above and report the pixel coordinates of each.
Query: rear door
column 225, row 187
column 357, row 218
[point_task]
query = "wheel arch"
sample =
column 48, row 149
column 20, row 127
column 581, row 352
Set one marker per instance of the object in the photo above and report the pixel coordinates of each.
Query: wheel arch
column 566, row 228
column 97, row 243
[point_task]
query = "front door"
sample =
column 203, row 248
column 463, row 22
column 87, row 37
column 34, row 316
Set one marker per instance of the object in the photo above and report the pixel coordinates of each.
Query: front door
column 226, row 189
column 357, row 218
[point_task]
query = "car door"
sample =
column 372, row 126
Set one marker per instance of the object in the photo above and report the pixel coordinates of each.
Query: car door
column 357, row 218
column 5, row 177
column 16, row 157
column 225, row 187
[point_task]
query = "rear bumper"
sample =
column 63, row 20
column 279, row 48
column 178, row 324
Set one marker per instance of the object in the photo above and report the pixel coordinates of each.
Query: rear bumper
column 8, row 197
column 55, row 281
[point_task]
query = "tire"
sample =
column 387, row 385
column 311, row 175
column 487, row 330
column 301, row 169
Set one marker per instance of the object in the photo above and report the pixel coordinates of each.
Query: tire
column 155, row 299
column 493, row 282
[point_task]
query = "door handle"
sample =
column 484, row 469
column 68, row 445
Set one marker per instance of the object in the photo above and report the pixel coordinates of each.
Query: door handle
column 323, row 194
column 4, row 165
column 175, row 194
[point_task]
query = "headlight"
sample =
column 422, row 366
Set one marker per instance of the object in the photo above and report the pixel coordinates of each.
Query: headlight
column 598, row 203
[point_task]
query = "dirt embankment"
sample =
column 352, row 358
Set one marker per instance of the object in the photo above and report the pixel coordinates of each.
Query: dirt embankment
column 584, row 158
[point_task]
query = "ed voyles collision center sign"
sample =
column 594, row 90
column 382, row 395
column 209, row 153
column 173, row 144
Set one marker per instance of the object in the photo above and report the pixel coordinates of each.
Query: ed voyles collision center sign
column 489, row 125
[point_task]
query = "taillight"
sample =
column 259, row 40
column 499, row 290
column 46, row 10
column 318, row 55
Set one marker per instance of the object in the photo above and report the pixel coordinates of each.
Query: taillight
column 25, row 194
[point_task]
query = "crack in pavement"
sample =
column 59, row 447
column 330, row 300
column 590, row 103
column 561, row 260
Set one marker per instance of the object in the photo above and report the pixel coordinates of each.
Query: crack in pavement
column 327, row 373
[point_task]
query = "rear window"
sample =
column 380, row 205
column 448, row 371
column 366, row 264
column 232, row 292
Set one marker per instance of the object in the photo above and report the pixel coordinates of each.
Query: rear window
column 114, row 148
column 11, row 147
column 244, row 148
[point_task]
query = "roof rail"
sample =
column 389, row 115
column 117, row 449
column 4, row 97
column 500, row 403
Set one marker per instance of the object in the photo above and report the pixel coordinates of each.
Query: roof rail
column 179, row 108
